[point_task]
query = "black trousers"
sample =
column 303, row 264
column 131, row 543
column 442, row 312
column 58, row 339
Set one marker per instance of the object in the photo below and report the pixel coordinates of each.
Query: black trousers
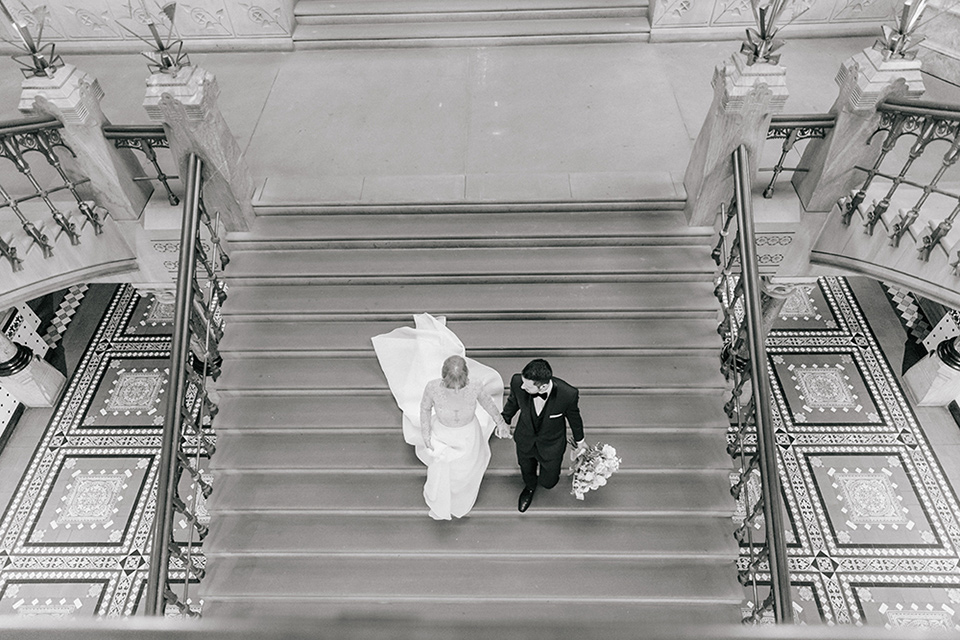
column 545, row 473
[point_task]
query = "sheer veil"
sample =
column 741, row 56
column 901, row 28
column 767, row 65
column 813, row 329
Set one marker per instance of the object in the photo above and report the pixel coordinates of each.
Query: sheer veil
column 412, row 356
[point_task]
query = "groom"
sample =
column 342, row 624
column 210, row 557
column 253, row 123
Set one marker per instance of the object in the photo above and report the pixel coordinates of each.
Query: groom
column 546, row 404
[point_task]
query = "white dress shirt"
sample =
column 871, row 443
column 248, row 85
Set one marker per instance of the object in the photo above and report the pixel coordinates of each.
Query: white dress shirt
column 538, row 402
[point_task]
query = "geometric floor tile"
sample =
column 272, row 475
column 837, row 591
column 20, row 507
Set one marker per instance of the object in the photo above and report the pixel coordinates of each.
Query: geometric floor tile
column 870, row 502
column 92, row 500
column 896, row 607
column 131, row 392
column 75, row 538
column 150, row 318
column 806, row 308
column 57, row 599
column 824, row 388
column 873, row 523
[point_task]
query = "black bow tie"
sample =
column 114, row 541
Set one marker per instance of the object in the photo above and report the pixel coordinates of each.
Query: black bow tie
column 542, row 396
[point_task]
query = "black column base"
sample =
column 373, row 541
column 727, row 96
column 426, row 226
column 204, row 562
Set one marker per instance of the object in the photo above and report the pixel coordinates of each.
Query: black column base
column 17, row 363
column 947, row 352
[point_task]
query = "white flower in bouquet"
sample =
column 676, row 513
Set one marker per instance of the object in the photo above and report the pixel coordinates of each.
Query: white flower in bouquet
column 592, row 467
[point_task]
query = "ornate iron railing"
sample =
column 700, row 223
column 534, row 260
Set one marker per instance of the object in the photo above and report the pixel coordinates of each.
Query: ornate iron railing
column 188, row 438
column 41, row 135
column 145, row 139
column 751, row 441
column 793, row 129
column 927, row 123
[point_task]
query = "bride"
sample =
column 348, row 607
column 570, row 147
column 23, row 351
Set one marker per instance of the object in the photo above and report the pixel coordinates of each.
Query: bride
column 449, row 419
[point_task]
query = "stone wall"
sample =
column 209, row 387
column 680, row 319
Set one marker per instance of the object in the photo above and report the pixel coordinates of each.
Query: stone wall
column 940, row 51
column 98, row 25
column 715, row 19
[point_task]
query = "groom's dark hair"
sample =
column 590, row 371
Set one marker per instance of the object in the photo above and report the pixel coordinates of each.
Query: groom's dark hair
column 538, row 371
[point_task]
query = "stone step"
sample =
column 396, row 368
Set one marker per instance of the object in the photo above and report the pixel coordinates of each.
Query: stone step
column 503, row 301
column 310, row 10
column 495, row 229
column 532, row 617
column 451, row 29
column 351, row 374
column 384, row 449
column 466, row 15
column 689, row 409
column 460, row 577
column 319, row 337
column 391, row 491
column 471, row 265
column 480, row 534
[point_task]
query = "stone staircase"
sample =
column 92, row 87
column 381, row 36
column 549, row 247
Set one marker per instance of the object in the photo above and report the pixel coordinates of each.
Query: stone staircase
column 318, row 508
column 389, row 23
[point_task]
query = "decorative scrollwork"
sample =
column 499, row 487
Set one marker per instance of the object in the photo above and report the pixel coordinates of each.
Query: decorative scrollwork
column 776, row 132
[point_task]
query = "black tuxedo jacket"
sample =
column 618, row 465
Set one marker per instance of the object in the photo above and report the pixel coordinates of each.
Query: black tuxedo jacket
column 549, row 441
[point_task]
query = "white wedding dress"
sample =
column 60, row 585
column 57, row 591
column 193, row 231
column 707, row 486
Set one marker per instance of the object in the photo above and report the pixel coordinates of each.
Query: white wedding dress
column 411, row 357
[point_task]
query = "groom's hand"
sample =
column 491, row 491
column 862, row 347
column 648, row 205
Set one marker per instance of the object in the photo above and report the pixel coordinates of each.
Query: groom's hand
column 503, row 431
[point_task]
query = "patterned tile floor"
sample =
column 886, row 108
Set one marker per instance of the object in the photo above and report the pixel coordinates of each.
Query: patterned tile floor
column 75, row 537
column 874, row 530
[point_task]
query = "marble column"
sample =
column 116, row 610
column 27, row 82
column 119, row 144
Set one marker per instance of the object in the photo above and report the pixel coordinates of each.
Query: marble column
column 935, row 380
column 866, row 80
column 73, row 97
column 186, row 104
column 30, row 380
column 745, row 98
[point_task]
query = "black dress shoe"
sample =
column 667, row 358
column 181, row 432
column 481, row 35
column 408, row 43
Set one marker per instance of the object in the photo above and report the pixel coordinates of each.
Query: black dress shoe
column 526, row 497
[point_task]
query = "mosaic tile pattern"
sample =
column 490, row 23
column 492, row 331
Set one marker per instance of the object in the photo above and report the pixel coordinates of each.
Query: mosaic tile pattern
column 908, row 310
column 874, row 529
column 75, row 538
column 64, row 314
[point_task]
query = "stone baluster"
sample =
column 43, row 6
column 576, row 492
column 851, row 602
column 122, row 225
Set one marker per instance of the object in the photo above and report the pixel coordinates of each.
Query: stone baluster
column 30, row 380
column 745, row 98
column 865, row 80
column 73, row 97
column 186, row 104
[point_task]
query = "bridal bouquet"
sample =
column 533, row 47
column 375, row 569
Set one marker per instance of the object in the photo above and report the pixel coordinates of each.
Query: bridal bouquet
column 592, row 467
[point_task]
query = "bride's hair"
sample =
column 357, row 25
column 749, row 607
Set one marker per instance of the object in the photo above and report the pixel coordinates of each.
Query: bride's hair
column 455, row 372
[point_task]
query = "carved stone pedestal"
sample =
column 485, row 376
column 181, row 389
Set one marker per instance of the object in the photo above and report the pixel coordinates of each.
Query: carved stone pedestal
column 744, row 100
column 935, row 380
column 186, row 104
column 865, row 81
column 26, row 377
column 73, row 97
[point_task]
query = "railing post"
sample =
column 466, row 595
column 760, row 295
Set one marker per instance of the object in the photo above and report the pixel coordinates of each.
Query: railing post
column 186, row 104
column 766, row 440
column 73, row 97
column 179, row 350
column 865, row 80
column 745, row 98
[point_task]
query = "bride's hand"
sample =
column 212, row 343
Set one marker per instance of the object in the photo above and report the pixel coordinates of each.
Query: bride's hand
column 503, row 431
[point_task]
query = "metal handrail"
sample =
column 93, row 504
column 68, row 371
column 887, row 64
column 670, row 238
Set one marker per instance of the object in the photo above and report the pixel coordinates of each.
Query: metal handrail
column 144, row 138
column 766, row 440
column 193, row 358
column 28, row 123
column 744, row 362
column 943, row 110
column 796, row 120
column 793, row 128
column 166, row 477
